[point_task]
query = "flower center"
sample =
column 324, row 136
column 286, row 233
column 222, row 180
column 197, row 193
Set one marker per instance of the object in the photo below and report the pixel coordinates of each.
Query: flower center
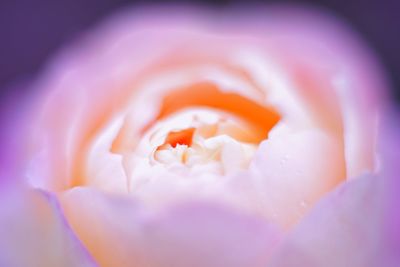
column 182, row 137
column 202, row 136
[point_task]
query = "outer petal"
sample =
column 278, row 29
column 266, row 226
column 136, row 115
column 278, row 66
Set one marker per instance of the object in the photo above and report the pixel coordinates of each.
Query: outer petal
column 34, row 233
column 119, row 233
column 328, row 68
column 294, row 172
column 390, row 144
column 13, row 120
column 342, row 230
column 356, row 225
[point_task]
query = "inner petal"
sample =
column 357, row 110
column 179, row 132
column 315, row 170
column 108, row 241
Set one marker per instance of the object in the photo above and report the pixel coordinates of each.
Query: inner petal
column 194, row 138
column 182, row 137
column 260, row 118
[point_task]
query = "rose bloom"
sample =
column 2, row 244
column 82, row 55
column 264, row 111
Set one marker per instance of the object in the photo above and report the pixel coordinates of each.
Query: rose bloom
column 185, row 137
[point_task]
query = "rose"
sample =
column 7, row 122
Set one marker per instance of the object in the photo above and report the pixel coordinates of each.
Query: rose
column 321, row 85
column 148, row 148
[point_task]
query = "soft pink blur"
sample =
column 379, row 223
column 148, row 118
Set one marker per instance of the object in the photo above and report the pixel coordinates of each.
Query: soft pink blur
column 348, row 159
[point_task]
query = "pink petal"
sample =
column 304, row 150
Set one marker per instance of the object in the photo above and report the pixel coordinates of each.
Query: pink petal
column 343, row 230
column 338, row 76
column 118, row 232
column 295, row 171
column 390, row 152
column 34, row 233
column 355, row 225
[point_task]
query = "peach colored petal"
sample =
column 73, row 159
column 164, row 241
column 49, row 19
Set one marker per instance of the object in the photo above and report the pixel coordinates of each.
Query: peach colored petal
column 294, row 170
column 119, row 232
column 356, row 224
column 338, row 77
column 105, row 169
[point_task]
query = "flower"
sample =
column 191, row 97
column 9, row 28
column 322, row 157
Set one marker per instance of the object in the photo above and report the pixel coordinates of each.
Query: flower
column 165, row 139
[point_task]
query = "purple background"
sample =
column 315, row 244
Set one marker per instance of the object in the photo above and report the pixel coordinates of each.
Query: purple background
column 32, row 30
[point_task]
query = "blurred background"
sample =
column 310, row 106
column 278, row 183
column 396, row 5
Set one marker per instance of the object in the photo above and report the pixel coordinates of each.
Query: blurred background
column 31, row 31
